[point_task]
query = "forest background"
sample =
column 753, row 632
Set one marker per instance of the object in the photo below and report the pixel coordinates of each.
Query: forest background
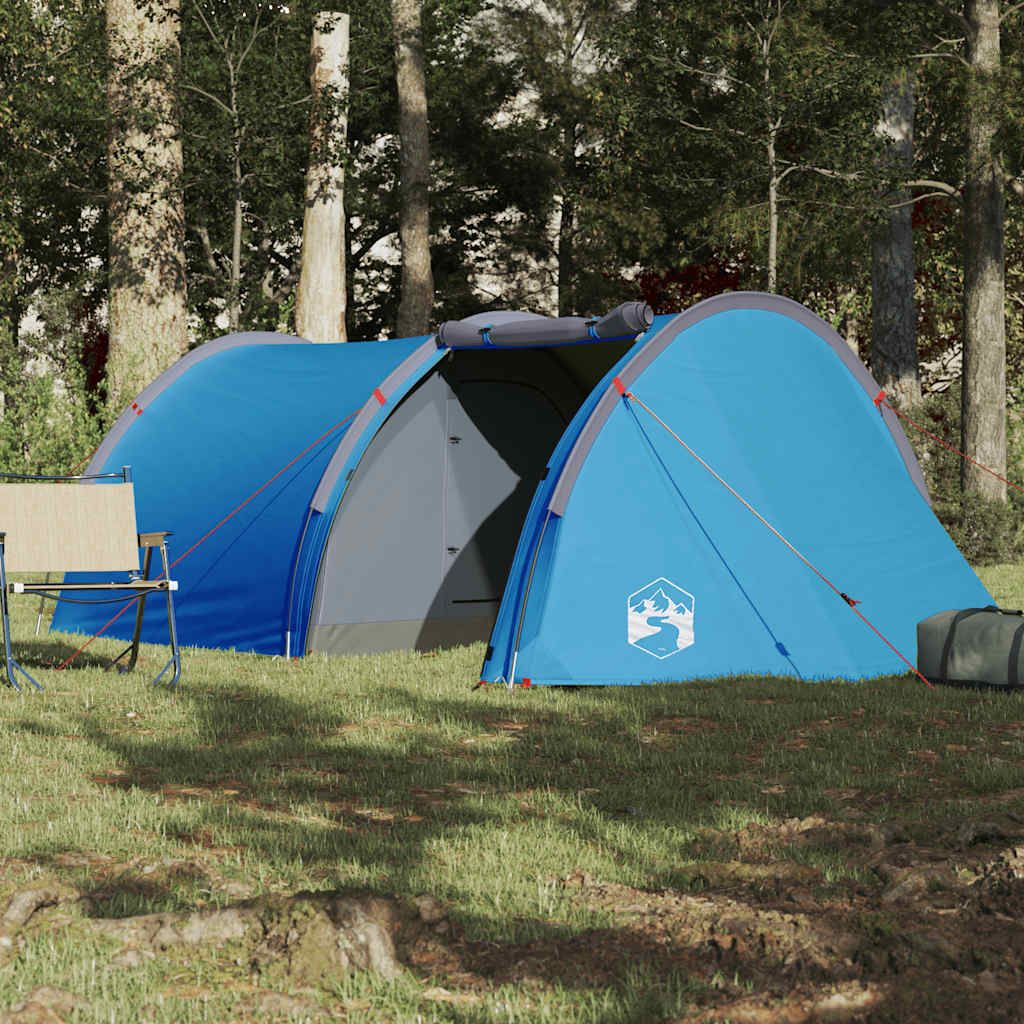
column 862, row 158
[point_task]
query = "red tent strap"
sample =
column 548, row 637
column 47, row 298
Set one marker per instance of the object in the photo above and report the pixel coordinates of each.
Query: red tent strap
column 209, row 533
column 881, row 400
column 846, row 597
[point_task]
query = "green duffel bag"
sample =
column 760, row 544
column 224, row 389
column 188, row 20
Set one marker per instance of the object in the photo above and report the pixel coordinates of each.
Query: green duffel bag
column 972, row 647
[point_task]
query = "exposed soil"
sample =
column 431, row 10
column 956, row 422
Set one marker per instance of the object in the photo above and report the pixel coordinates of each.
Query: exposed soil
column 934, row 936
column 932, row 932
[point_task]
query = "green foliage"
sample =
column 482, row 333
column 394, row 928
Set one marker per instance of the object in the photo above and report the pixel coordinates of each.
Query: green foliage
column 693, row 103
column 49, row 418
column 986, row 532
column 245, row 118
column 255, row 104
column 52, row 145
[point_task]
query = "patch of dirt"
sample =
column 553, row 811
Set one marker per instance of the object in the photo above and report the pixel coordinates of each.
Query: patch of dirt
column 928, row 928
column 663, row 731
column 936, row 936
column 45, row 1005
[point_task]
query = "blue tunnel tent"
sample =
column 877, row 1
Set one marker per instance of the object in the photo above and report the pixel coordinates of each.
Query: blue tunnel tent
column 494, row 480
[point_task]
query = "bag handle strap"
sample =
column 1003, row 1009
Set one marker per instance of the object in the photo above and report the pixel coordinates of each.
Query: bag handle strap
column 1012, row 669
column 947, row 647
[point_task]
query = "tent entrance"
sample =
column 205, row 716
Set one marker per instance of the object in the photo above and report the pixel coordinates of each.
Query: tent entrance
column 425, row 534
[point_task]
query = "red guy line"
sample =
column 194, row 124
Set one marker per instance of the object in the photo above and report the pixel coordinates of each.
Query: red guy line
column 881, row 400
column 78, row 465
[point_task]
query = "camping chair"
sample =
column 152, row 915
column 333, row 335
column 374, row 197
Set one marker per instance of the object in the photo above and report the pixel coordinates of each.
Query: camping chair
column 47, row 526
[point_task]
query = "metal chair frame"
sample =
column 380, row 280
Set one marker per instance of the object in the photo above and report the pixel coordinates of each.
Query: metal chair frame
column 142, row 584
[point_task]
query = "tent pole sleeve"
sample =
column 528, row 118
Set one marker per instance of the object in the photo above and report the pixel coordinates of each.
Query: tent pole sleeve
column 526, row 597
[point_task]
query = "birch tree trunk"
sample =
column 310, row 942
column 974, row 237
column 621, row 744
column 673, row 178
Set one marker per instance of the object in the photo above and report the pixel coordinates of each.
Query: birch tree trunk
column 567, row 227
column 983, row 407
column 148, row 325
column 417, row 298
column 773, row 210
column 772, row 126
column 893, row 312
column 320, row 299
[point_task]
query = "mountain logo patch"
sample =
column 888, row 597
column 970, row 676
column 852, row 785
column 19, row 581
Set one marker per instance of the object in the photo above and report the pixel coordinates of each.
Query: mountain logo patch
column 660, row 618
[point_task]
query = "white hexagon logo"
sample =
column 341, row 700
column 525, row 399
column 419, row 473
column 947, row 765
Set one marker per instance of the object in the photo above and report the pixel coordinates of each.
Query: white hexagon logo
column 660, row 618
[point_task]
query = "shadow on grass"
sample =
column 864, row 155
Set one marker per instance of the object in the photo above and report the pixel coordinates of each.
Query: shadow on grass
column 47, row 652
column 266, row 775
column 290, row 782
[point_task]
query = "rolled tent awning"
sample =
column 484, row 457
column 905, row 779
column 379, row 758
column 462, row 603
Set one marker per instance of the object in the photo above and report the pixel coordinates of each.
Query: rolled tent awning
column 517, row 330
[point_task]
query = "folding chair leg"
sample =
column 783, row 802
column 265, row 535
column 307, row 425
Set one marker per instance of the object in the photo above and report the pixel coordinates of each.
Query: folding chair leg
column 10, row 665
column 172, row 626
column 172, row 629
column 133, row 647
column 42, row 606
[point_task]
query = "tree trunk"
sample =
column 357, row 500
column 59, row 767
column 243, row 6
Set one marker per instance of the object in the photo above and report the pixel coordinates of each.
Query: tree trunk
column 773, row 125
column 414, row 218
column 773, row 214
column 983, row 409
column 320, row 300
column 567, row 227
column 893, row 312
column 148, row 325
column 235, row 284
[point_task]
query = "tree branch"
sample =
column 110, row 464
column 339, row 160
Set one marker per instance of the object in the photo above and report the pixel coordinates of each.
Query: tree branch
column 695, row 127
column 206, row 24
column 825, row 172
column 917, row 199
column 938, row 186
column 211, row 260
column 208, row 95
column 715, row 76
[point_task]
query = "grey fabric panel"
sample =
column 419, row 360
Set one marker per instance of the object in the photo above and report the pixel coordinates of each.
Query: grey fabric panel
column 454, row 467
column 721, row 303
column 383, row 557
column 172, row 373
column 416, row 635
column 370, row 409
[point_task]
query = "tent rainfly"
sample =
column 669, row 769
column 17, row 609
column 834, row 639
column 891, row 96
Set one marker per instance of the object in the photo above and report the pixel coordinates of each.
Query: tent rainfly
column 593, row 496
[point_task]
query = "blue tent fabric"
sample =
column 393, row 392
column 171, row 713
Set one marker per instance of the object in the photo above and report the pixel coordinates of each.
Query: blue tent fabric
column 655, row 572
column 206, row 439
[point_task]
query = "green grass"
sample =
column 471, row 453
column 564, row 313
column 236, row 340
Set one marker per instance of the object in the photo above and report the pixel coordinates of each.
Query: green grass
column 390, row 772
column 1005, row 583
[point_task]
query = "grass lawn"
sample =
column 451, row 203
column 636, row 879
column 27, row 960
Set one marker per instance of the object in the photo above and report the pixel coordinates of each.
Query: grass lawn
column 710, row 851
